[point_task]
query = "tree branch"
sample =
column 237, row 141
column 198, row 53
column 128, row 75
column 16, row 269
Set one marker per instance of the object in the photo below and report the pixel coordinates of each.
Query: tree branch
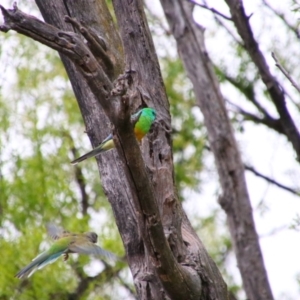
column 244, row 29
column 267, row 120
column 104, row 276
column 68, row 43
column 246, row 88
column 267, row 178
column 285, row 73
column 229, row 31
column 283, row 19
column 213, row 10
column 97, row 15
column 272, row 181
column 80, row 180
column 248, row 91
column 130, row 290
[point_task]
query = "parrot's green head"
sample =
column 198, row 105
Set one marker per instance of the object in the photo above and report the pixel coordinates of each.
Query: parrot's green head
column 92, row 236
column 148, row 113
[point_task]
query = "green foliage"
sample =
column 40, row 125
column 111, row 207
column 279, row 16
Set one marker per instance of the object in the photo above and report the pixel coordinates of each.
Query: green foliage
column 188, row 132
column 40, row 123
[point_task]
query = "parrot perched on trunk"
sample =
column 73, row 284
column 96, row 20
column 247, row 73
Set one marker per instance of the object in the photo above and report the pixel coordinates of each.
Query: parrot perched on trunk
column 65, row 243
column 143, row 121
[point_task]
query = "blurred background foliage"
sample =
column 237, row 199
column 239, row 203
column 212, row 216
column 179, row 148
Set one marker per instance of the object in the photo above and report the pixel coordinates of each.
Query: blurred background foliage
column 42, row 131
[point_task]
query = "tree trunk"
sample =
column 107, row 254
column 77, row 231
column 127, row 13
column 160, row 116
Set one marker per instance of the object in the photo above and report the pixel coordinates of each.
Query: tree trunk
column 166, row 257
column 235, row 199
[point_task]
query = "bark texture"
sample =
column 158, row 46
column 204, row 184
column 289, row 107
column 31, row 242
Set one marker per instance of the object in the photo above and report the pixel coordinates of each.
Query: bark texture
column 235, row 199
column 167, row 259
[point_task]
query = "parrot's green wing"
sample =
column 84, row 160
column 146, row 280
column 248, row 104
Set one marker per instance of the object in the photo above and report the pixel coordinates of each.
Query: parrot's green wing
column 63, row 240
column 56, row 232
column 89, row 248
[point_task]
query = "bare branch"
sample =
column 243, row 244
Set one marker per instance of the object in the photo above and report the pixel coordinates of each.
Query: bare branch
column 267, row 120
column 96, row 44
column 229, row 31
column 247, row 89
column 67, row 43
column 145, row 202
column 241, row 21
column 267, row 178
column 107, row 275
column 283, row 18
column 272, row 181
column 82, row 186
column 285, row 73
column 213, row 10
column 274, row 231
column 127, row 287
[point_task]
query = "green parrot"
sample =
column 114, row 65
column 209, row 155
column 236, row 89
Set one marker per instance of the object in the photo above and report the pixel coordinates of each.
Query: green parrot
column 143, row 121
column 65, row 243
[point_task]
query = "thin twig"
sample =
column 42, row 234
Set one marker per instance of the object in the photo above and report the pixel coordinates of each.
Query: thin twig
column 274, row 231
column 285, row 73
column 268, row 179
column 283, row 19
column 247, row 89
column 223, row 24
column 267, row 120
column 79, row 177
column 272, row 181
column 130, row 290
column 213, row 10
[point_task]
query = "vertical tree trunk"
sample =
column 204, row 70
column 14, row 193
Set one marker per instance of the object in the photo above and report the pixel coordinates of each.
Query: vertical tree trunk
column 235, row 199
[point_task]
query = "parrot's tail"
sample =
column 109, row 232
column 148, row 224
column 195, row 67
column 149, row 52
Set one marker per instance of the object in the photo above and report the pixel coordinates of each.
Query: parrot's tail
column 106, row 145
column 92, row 153
column 38, row 263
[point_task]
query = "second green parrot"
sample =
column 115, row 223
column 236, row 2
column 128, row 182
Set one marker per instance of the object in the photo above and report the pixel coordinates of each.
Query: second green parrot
column 143, row 121
column 65, row 243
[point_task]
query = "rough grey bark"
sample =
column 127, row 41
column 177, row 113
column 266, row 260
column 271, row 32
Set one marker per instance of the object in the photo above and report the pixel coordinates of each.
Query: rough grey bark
column 140, row 55
column 235, row 199
column 167, row 259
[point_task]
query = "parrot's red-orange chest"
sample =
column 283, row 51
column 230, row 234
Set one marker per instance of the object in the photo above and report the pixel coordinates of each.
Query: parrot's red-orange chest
column 139, row 134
